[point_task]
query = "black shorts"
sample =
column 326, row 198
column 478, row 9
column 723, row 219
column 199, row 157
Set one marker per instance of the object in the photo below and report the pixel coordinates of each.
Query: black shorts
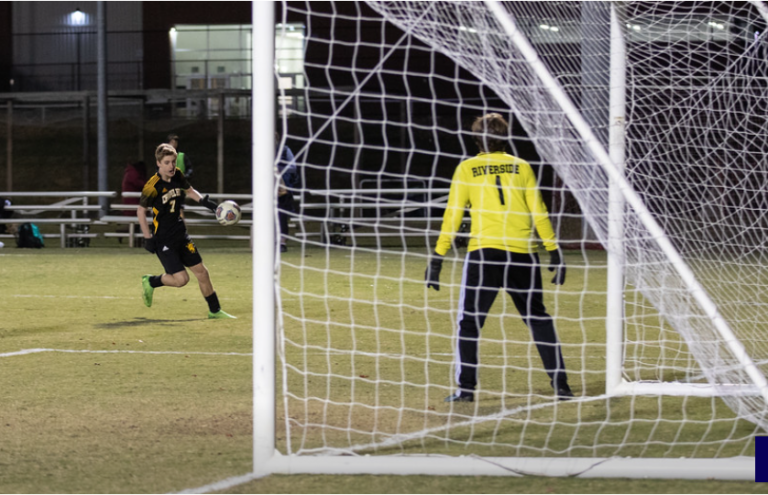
column 177, row 254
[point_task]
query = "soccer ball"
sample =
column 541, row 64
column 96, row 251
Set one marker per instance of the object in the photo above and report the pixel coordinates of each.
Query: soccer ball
column 228, row 213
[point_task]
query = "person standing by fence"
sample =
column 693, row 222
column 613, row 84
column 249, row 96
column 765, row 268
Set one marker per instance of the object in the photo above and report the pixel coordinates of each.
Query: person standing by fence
column 183, row 162
column 289, row 183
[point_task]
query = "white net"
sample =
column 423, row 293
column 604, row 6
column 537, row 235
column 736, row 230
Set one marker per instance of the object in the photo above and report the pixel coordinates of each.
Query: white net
column 379, row 120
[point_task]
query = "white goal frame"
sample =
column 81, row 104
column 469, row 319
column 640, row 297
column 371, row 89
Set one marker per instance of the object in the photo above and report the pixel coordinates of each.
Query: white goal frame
column 267, row 460
column 619, row 193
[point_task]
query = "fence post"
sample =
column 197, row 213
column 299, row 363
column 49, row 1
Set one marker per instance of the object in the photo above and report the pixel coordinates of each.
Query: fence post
column 9, row 148
column 101, row 50
column 142, row 103
column 220, row 147
column 86, row 142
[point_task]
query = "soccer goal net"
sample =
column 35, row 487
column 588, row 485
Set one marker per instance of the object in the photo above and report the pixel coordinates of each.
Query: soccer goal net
column 645, row 125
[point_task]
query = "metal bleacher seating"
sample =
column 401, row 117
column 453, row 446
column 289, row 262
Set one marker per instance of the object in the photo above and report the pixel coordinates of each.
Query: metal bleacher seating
column 337, row 214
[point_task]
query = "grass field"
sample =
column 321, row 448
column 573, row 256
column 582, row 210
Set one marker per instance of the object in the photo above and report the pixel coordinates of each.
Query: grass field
column 101, row 394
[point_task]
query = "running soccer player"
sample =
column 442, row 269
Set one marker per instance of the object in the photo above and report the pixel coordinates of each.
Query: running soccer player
column 505, row 205
column 164, row 194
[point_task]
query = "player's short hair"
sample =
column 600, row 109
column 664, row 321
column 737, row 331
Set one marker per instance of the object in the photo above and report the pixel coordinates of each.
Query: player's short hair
column 486, row 127
column 164, row 150
column 171, row 137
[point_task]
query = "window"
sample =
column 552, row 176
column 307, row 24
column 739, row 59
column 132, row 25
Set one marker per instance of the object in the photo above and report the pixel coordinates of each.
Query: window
column 224, row 51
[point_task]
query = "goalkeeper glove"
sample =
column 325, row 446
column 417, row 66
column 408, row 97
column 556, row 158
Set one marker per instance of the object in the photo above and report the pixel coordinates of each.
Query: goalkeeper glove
column 208, row 203
column 557, row 265
column 432, row 275
column 149, row 244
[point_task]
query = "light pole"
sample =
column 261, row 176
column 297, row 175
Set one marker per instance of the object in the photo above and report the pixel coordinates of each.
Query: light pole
column 101, row 83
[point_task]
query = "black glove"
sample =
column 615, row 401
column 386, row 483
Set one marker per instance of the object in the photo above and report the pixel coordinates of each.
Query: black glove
column 208, row 203
column 557, row 265
column 461, row 241
column 432, row 275
column 149, row 244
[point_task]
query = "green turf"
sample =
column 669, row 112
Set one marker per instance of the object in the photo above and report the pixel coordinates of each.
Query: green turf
column 361, row 328
column 162, row 400
column 120, row 421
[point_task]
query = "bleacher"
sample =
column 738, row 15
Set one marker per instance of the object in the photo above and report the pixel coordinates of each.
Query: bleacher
column 72, row 212
column 193, row 216
column 332, row 215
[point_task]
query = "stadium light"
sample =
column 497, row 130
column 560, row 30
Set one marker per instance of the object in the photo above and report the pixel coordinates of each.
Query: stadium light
column 77, row 18
column 547, row 27
column 173, row 36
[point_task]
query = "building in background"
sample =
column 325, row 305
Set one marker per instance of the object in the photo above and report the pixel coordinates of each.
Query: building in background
column 51, row 46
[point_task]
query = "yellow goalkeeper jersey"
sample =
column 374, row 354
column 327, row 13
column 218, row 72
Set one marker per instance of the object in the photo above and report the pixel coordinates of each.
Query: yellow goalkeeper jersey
column 504, row 203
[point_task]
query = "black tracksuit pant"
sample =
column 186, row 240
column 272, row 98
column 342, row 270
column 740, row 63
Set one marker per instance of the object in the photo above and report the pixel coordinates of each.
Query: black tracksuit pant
column 285, row 206
column 485, row 272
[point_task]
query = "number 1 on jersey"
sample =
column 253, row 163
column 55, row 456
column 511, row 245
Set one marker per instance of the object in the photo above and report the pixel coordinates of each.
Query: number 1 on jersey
column 501, row 191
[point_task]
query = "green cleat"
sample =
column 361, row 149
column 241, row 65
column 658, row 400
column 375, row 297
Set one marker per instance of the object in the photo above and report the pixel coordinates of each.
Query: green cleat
column 148, row 290
column 220, row 315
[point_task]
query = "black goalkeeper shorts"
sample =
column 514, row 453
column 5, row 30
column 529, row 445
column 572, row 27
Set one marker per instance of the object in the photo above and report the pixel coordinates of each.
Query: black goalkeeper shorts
column 177, row 254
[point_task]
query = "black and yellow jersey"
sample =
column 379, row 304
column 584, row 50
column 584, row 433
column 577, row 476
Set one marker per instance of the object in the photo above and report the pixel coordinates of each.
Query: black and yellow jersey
column 504, row 204
column 166, row 200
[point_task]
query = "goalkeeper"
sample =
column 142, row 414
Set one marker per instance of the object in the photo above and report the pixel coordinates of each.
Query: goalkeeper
column 505, row 205
column 164, row 194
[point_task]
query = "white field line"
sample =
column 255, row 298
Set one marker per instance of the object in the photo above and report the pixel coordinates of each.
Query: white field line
column 85, row 351
column 22, row 352
column 42, row 296
column 200, row 353
column 224, row 484
column 332, row 353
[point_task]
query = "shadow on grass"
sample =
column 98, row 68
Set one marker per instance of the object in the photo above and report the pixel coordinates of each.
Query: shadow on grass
column 139, row 322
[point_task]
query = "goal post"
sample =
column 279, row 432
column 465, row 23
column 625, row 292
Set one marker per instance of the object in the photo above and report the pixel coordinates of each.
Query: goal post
column 263, row 234
column 614, row 321
column 662, row 328
column 617, row 181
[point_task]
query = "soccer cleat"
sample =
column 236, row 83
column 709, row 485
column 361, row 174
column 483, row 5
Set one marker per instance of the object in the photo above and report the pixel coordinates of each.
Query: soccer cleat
column 283, row 248
column 148, row 290
column 220, row 315
column 460, row 397
column 563, row 392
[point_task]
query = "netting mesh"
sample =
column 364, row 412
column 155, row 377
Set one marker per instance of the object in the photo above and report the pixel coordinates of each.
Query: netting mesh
column 693, row 156
column 390, row 90
column 697, row 108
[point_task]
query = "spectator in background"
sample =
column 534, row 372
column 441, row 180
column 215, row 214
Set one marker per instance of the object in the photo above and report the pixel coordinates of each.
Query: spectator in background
column 134, row 178
column 289, row 182
column 183, row 162
column 6, row 214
